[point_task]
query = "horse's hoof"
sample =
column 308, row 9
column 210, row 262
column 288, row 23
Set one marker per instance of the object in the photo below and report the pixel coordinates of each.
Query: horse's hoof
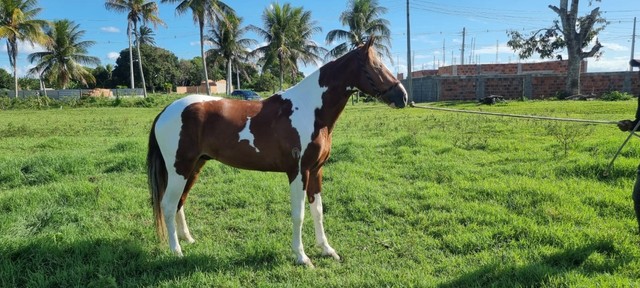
column 331, row 254
column 305, row 261
column 177, row 252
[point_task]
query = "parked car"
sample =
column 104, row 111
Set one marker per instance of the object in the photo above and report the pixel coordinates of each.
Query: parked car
column 246, row 95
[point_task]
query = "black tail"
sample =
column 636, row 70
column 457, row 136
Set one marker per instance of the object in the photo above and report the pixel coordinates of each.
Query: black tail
column 157, row 177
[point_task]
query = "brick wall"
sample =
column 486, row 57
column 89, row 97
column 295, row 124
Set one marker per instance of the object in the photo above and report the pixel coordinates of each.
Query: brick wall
column 550, row 67
column 532, row 86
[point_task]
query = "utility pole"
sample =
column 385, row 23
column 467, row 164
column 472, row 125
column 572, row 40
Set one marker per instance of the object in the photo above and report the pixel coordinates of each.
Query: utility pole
column 409, row 78
column 633, row 42
column 444, row 53
column 497, row 49
column 462, row 52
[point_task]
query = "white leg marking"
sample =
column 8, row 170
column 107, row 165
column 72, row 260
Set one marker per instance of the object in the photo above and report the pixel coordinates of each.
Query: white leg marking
column 297, row 217
column 183, row 229
column 169, row 203
column 321, row 238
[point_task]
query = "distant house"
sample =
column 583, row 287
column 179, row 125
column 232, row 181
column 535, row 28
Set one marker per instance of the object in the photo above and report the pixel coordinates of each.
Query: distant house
column 217, row 87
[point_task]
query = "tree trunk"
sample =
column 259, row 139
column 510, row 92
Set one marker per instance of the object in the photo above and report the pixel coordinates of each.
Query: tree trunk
column 237, row 77
column 144, row 84
column 133, row 86
column 12, row 46
column 281, row 69
column 204, row 59
column 229, row 79
column 15, row 76
column 572, row 85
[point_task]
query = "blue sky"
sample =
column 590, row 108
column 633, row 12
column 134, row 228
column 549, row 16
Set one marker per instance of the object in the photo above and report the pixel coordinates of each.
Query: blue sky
column 433, row 24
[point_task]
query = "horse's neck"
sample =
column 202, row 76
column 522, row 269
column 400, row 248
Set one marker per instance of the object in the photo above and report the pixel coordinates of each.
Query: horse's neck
column 311, row 95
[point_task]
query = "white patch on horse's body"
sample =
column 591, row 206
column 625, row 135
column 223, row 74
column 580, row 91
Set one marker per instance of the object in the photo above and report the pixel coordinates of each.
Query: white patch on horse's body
column 169, row 125
column 167, row 130
column 305, row 98
column 246, row 134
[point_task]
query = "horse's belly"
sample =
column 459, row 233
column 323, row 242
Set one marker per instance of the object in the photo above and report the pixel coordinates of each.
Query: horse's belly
column 244, row 158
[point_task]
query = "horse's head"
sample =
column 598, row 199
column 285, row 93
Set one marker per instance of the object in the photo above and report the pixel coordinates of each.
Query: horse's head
column 375, row 79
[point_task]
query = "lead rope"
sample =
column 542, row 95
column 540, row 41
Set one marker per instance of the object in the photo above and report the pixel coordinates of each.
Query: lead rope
column 606, row 171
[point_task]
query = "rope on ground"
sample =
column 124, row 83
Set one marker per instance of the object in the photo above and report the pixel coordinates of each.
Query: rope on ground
column 517, row 115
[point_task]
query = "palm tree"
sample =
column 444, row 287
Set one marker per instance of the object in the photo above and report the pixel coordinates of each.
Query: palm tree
column 203, row 11
column 227, row 41
column 287, row 32
column 17, row 23
column 64, row 56
column 137, row 11
column 145, row 36
column 363, row 17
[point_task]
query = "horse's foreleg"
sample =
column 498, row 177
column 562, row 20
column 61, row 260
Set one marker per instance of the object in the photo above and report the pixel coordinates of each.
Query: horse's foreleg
column 321, row 238
column 175, row 186
column 315, row 184
column 297, row 216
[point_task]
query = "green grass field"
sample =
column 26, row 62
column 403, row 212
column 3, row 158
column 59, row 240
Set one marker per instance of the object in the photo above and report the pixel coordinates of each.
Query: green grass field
column 412, row 198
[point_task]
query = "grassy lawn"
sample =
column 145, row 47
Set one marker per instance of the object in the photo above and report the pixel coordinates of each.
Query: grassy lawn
column 412, row 197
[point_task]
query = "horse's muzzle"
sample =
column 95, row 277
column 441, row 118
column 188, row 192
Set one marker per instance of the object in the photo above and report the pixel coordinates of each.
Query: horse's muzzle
column 396, row 97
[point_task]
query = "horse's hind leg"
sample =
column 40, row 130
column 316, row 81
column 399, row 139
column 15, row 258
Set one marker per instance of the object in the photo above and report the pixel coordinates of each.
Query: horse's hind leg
column 175, row 186
column 183, row 229
column 181, row 221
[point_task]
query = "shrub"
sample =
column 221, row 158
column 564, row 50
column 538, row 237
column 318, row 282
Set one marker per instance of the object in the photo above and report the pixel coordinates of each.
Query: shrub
column 616, row 96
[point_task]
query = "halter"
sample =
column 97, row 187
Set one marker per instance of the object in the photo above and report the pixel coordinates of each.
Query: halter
column 373, row 84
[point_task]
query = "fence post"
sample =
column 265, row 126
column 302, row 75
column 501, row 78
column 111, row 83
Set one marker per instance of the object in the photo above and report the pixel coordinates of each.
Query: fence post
column 480, row 83
column 626, row 85
column 527, row 87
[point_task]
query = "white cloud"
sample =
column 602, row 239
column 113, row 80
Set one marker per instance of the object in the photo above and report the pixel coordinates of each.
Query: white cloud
column 614, row 47
column 113, row 55
column 110, row 29
column 608, row 64
column 25, row 48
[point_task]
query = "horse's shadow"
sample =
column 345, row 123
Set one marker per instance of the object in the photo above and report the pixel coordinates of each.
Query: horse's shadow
column 111, row 263
column 538, row 273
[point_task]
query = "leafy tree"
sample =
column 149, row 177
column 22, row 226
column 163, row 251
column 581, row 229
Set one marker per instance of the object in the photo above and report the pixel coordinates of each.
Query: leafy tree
column 364, row 19
column 137, row 11
column 571, row 32
column 189, row 72
column 6, row 80
column 203, row 11
column 227, row 41
column 65, row 55
column 266, row 82
column 17, row 23
column 287, row 32
column 161, row 65
column 102, row 76
column 28, row 83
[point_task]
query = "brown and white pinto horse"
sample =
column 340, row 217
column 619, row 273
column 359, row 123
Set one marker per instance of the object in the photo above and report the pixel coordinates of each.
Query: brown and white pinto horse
column 288, row 132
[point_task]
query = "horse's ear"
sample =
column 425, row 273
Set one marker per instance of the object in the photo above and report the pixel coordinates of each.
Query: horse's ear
column 369, row 42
